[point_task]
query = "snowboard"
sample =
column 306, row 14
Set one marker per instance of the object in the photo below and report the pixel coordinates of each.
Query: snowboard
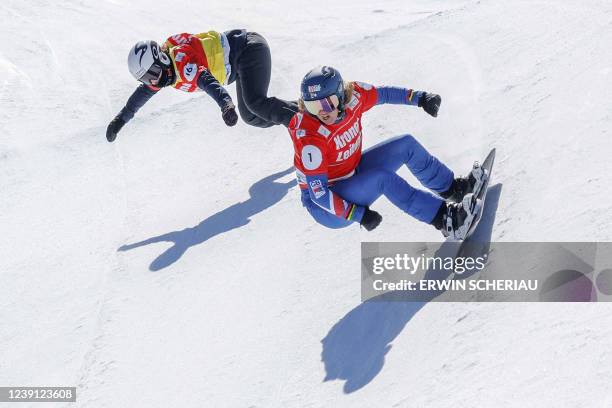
column 481, row 193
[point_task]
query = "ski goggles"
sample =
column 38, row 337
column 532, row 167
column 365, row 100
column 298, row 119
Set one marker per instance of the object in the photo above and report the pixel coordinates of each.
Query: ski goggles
column 152, row 76
column 326, row 105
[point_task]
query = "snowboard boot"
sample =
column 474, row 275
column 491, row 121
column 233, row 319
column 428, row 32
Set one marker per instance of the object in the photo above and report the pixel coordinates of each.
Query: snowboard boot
column 455, row 219
column 464, row 185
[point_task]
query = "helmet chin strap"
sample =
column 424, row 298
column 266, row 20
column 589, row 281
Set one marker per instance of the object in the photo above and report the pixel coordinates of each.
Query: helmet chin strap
column 340, row 114
column 167, row 78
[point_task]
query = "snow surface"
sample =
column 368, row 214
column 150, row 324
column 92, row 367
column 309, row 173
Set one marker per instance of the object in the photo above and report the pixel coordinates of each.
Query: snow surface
column 176, row 267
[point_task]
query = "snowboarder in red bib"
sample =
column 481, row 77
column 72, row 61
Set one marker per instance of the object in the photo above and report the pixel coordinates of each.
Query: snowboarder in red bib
column 205, row 62
column 339, row 183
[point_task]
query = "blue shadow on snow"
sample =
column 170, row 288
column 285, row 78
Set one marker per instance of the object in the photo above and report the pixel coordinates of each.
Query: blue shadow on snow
column 354, row 350
column 264, row 194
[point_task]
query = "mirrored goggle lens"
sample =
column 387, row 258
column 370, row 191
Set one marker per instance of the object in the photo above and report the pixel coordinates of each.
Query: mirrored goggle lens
column 152, row 76
column 326, row 105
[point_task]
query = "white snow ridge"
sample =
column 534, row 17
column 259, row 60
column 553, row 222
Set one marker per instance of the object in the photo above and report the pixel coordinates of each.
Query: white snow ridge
column 176, row 267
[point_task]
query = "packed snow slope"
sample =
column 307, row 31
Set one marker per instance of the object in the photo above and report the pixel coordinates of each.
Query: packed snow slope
column 176, row 267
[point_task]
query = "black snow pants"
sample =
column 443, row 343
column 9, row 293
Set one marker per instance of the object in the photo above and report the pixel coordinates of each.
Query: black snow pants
column 253, row 69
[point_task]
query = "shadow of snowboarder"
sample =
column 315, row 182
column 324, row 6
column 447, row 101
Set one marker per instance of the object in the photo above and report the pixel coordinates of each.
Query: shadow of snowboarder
column 264, row 194
column 354, row 350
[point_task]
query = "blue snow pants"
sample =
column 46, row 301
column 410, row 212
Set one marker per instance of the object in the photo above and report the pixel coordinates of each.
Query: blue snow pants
column 376, row 175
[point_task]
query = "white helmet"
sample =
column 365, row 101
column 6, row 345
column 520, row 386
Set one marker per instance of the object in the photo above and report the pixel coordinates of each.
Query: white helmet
column 148, row 63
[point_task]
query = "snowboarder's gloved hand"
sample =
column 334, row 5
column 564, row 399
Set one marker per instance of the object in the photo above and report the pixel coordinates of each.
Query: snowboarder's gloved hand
column 113, row 128
column 430, row 103
column 370, row 219
column 230, row 117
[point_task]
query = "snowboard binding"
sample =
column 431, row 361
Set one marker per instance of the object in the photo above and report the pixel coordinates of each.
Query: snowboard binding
column 472, row 183
column 459, row 217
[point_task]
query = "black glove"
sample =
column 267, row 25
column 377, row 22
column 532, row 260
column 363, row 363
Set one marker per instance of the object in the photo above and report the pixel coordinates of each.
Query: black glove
column 113, row 128
column 230, row 117
column 370, row 219
column 430, row 103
